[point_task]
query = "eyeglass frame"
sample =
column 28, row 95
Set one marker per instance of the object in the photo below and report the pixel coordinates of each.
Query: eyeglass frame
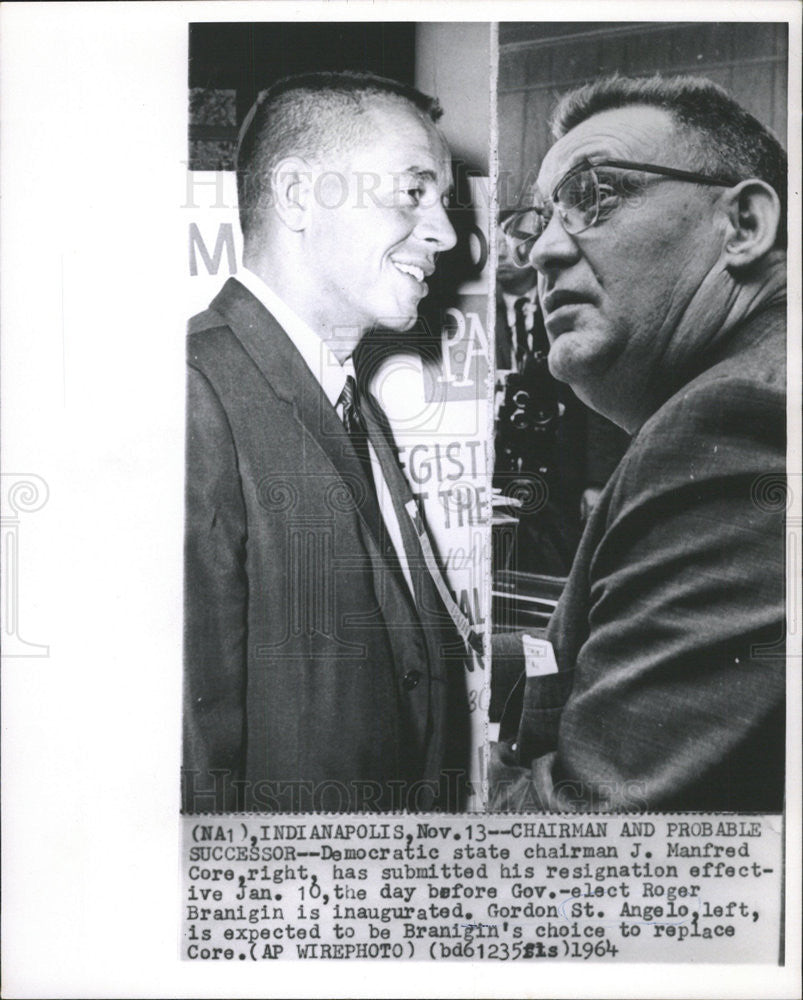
column 674, row 173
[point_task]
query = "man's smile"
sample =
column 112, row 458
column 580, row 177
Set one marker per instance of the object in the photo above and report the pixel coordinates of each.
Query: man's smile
column 416, row 270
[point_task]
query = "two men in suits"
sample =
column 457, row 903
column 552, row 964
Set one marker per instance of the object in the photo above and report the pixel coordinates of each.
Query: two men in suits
column 323, row 662
column 658, row 233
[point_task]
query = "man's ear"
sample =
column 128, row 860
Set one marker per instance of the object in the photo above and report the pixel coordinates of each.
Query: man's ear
column 754, row 212
column 291, row 187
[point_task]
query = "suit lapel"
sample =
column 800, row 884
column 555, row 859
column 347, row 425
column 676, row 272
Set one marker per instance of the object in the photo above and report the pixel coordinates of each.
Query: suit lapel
column 288, row 375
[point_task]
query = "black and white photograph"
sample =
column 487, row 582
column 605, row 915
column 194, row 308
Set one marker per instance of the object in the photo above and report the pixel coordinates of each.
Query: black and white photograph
column 641, row 431
column 401, row 499
column 328, row 656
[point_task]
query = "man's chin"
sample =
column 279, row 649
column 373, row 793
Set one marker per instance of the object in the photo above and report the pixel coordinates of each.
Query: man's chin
column 398, row 324
column 575, row 355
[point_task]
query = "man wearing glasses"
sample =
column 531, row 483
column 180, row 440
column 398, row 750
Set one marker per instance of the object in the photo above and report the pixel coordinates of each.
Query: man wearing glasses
column 657, row 228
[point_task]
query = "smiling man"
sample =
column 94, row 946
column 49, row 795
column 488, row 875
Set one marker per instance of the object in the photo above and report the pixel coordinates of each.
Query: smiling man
column 658, row 232
column 322, row 668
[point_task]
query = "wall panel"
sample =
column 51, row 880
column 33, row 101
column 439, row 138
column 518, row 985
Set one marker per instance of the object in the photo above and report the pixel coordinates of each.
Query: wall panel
column 747, row 58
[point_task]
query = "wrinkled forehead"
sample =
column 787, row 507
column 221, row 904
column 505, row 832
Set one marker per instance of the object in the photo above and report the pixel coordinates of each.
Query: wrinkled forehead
column 638, row 132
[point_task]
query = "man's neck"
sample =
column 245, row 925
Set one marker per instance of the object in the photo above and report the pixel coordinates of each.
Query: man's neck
column 722, row 304
column 728, row 302
column 281, row 276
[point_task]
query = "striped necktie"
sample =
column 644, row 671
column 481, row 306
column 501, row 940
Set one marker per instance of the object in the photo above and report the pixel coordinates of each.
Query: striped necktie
column 366, row 501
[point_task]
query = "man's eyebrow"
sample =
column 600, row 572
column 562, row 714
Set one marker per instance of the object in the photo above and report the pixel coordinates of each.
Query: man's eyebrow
column 428, row 174
column 586, row 159
column 577, row 160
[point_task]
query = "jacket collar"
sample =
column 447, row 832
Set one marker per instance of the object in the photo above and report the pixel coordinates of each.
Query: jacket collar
column 287, row 374
column 289, row 377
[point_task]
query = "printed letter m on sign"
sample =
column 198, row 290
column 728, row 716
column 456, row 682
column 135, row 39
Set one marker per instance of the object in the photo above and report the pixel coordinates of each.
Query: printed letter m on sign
column 225, row 240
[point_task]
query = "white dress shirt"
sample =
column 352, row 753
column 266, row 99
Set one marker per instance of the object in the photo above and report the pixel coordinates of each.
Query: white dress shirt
column 331, row 375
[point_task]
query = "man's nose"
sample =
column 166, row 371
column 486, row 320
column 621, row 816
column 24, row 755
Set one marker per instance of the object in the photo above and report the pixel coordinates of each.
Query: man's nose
column 554, row 248
column 434, row 227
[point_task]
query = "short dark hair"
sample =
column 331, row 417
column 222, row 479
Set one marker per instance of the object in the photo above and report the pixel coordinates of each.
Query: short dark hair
column 313, row 115
column 726, row 139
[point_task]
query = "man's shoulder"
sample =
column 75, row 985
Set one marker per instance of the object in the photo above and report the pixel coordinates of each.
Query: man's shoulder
column 212, row 324
column 208, row 319
column 729, row 401
column 214, row 318
column 210, row 333
column 209, row 340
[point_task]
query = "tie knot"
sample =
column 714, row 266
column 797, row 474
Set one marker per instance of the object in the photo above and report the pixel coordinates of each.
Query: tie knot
column 348, row 397
column 350, row 402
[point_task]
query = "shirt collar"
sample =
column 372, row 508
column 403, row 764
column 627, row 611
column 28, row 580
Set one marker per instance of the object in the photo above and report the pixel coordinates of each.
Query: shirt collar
column 327, row 370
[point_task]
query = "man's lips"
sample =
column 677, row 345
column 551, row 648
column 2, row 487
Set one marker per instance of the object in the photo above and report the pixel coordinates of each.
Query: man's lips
column 559, row 298
column 416, row 269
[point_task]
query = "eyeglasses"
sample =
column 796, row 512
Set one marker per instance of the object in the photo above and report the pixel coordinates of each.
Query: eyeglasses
column 585, row 196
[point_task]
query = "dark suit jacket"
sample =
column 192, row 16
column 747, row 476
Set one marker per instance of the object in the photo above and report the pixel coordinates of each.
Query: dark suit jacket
column 312, row 681
column 669, row 634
